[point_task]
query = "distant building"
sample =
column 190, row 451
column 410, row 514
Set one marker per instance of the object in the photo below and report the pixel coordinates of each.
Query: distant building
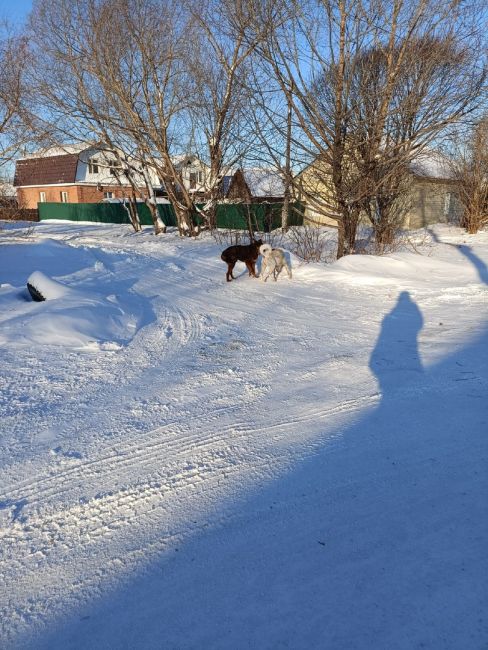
column 433, row 193
column 254, row 186
column 194, row 173
column 90, row 174
column 431, row 198
column 71, row 174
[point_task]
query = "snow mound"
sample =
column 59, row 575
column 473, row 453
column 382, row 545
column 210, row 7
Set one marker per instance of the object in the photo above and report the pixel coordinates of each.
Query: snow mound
column 402, row 267
column 47, row 288
column 71, row 318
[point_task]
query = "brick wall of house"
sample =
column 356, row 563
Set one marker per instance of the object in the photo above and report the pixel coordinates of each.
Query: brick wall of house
column 29, row 197
column 90, row 193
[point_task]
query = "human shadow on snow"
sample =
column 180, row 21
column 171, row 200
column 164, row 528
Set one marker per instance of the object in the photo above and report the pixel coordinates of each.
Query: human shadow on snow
column 376, row 541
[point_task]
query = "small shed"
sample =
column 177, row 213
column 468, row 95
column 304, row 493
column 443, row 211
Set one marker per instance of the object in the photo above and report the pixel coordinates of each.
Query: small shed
column 256, row 186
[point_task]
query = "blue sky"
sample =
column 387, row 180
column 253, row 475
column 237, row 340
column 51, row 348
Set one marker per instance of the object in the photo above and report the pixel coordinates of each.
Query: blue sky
column 15, row 10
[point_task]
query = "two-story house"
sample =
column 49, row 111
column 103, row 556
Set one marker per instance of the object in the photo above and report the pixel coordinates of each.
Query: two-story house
column 90, row 174
column 194, row 173
column 68, row 174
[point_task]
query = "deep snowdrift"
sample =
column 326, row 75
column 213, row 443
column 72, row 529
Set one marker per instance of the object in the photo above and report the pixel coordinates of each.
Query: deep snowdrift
column 69, row 317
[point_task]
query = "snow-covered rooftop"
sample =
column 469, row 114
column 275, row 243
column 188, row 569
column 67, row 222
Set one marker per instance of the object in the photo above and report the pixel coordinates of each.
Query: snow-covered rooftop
column 264, row 182
column 58, row 150
column 431, row 164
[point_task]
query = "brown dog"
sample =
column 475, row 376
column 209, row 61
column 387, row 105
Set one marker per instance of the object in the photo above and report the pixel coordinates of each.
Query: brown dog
column 247, row 254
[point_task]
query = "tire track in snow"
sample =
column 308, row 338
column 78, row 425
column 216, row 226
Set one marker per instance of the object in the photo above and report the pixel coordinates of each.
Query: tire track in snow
column 148, row 450
column 46, row 537
column 189, row 436
column 145, row 490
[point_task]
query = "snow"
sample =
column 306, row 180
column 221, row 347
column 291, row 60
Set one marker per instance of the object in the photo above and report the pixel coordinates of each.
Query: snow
column 189, row 463
column 47, row 288
column 48, row 152
column 264, row 182
column 432, row 164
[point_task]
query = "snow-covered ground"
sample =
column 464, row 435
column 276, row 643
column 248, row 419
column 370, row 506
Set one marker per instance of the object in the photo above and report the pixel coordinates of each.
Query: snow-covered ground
column 193, row 464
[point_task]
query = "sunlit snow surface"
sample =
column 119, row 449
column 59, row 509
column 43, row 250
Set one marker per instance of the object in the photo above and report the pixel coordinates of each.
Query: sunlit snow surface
column 190, row 463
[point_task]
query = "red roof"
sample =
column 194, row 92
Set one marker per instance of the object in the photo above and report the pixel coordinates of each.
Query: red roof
column 46, row 171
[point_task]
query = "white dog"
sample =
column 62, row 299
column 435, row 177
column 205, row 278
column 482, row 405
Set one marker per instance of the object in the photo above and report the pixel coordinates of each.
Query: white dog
column 273, row 262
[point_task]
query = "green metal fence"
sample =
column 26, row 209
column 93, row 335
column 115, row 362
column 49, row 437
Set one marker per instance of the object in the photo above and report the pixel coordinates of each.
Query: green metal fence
column 236, row 216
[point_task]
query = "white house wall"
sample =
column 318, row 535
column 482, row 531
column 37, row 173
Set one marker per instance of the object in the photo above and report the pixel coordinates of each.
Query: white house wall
column 104, row 177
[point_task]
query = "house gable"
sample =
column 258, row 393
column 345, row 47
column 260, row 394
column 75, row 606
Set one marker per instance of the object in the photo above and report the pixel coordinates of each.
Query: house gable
column 100, row 167
column 50, row 170
column 257, row 184
column 238, row 188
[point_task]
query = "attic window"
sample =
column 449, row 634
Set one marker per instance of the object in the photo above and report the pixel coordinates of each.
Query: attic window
column 93, row 166
column 195, row 177
column 113, row 167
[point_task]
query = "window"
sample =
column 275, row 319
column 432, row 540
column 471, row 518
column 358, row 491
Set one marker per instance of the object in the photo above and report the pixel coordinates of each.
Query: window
column 447, row 204
column 42, row 197
column 93, row 166
column 64, row 197
column 195, row 177
column 108, row 195
column 113, row 167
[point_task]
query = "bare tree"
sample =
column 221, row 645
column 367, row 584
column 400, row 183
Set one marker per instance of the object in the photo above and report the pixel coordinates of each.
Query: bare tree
column 115, row 69
column 218, row 66
column 13, row 57
column 402, row 97
column 469, row 166
column 371, row 82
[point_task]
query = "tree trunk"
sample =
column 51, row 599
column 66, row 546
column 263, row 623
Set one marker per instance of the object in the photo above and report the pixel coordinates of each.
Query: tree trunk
column 150, row 201
column 131, row 207
column 184, row 218
column 340, row 240
column 159, row 226
column 286, row 198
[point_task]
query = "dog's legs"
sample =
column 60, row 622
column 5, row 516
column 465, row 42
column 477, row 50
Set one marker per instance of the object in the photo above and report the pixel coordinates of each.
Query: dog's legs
column 277, row 271
column 286, row 266
column 250, row 268
column 230, row 268
column 270, row 267
column 274, row 269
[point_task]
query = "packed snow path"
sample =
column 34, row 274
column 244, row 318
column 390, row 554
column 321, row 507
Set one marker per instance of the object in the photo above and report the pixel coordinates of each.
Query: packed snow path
column 296, row 464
